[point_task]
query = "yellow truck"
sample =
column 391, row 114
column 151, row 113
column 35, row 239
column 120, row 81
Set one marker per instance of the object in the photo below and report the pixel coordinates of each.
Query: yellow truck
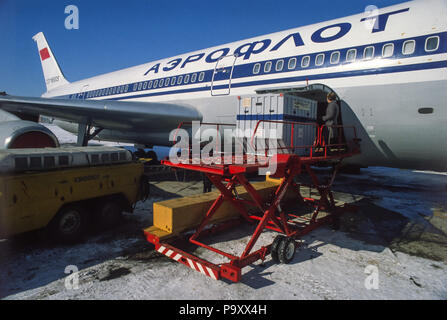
column 65, row 189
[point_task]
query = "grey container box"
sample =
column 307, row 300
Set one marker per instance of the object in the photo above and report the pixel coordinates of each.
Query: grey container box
column 282, row 108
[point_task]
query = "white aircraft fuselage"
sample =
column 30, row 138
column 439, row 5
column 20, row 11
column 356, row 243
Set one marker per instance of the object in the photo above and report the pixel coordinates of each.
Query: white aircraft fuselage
column 388, row 68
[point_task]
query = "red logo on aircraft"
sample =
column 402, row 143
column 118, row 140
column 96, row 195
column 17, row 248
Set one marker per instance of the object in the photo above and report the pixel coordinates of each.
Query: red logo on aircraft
column 44, row 54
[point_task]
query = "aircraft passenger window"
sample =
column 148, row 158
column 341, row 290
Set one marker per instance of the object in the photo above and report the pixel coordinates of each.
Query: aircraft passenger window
column 432, row 44
column 279, row 65
column 335, row 57
column 180, row 80
column 187, row 79
column 173, row 80
column 368, row 53
column 351, row 55
column 161, row 83
column 201, row 76
column 167, row 82
column 149, row 85
column 319, row 60
column 292, row 64
column 388, row 50
column 256, row 68
column 155, row 84
column 409, row 47
column 145, row 85
column 268, row 67
column 305, row 62
column 194, row 77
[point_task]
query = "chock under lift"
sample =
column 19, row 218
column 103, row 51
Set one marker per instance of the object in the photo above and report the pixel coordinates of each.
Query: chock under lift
column 271, row 216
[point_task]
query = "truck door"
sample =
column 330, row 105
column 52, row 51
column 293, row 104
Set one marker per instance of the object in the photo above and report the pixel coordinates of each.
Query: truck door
column 222, row 75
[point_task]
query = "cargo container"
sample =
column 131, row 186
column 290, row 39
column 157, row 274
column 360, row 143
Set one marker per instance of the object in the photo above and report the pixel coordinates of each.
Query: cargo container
column 271, row 113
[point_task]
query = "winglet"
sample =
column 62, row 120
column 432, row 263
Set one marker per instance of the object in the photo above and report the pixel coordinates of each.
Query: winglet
column 52, row 72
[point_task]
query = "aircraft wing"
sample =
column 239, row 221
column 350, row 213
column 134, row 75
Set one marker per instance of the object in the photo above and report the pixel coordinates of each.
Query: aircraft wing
column 114, row 115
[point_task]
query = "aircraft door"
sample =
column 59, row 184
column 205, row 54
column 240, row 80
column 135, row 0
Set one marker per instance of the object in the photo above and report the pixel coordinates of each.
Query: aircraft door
column 81, row 95
column 222, row 75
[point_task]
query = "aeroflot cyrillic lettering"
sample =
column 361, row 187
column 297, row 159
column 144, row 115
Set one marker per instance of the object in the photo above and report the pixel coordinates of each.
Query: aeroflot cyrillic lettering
column 171, row 65
column 382, row 19
column 344, row 29
column 248, row 49
column 193, row 58
column 154, row 68
column 296, row 37
column 252, row 48
column 211, row 59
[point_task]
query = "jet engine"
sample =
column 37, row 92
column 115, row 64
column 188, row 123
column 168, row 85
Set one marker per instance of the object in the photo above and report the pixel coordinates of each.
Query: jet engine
column 19, row 134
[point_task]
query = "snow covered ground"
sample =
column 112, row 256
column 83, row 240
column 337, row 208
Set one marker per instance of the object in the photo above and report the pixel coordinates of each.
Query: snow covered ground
column 400, row 232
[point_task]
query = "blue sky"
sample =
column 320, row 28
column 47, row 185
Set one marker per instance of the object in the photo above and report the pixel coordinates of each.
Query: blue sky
column 118, row 34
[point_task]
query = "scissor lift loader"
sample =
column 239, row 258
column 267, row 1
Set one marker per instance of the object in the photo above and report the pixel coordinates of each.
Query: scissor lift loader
column 271, row 213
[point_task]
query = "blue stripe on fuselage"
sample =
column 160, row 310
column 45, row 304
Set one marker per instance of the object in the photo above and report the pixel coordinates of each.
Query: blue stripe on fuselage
column 355, row 73
column 246, row 70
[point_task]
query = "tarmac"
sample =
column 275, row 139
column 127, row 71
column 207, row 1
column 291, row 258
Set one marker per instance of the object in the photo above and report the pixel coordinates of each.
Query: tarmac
column 400, row 230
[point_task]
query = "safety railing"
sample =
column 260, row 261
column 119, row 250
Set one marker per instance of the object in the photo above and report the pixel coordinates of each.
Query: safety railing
column 322, row 143
column 249, row 146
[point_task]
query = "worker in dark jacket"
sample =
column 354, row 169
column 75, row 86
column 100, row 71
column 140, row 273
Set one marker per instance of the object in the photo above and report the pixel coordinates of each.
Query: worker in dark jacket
column 330, row 118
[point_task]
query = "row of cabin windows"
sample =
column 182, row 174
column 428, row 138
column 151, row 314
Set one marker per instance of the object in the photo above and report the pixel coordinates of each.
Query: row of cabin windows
column 159, row 83
column 408, row 48
column 148, row 85
column 108, row 91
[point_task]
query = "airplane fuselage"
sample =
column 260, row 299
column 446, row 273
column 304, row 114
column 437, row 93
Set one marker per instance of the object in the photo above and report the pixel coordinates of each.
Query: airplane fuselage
column 388, row 68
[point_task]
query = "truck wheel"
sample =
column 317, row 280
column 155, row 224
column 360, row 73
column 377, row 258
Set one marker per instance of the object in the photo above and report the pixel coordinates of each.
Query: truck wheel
column 286, row 250
column 274, row 249
column 110, row 213
column 68, row 225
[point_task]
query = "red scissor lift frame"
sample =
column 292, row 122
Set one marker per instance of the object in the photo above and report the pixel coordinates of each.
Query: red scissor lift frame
column 226, row 177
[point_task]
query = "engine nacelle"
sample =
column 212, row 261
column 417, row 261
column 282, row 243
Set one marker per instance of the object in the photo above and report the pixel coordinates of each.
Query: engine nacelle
column 20, row 134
